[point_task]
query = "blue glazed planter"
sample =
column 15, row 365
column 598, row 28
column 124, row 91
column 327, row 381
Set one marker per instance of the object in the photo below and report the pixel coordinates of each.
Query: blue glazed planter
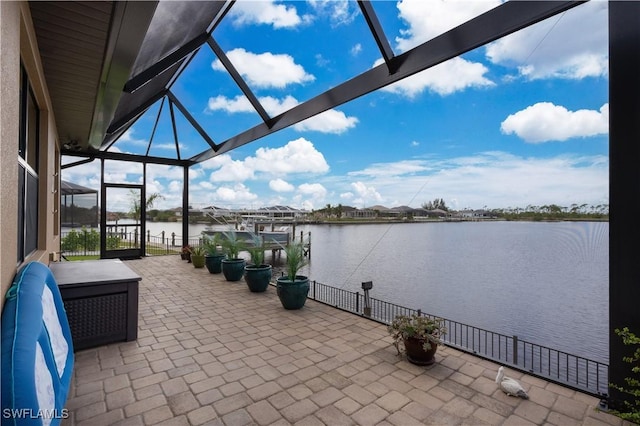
column 257, row 277
column 213, row 262
column 233, row 269
column 293, row 294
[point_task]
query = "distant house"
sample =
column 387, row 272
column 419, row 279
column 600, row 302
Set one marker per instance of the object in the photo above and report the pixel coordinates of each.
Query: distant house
column 360, row 213
column 438, row 213
column 476, row 214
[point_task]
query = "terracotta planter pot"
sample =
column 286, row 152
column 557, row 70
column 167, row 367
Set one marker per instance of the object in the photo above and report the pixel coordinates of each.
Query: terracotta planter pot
column 416, row 353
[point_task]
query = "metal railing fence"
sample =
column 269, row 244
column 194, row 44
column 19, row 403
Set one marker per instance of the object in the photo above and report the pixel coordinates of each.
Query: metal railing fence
column 86, row 242
column 557, row 366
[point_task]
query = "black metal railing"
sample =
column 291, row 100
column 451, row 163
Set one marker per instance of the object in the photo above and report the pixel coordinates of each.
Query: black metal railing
column 86, row 242
column 557, row 366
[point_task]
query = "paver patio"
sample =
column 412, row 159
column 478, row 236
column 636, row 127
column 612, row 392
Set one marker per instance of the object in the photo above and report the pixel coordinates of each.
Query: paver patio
column 211, row 352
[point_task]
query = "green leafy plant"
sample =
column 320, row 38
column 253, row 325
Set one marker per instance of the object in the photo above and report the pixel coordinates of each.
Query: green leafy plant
column 211, row 244
column 632, row 412
column 90, row 239
column 232, row 245
column 71, row 241
column 113, row 242
column 198, row 251
column 294, row 251
column 418, row 326
column 86, row 239
column 256, row 250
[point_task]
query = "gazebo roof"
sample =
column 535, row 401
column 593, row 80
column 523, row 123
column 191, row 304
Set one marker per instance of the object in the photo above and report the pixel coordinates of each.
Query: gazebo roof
column 70, row 188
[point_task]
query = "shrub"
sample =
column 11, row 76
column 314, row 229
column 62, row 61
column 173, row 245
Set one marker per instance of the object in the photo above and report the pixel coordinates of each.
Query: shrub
column 113, row 242
column 632, row 412
column 71, row 241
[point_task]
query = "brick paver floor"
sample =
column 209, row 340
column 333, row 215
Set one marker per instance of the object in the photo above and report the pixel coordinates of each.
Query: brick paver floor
column 211, row 352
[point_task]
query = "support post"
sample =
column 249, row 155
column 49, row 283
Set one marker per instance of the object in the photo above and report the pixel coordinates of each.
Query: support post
column 366, row 309
column 624, row 188
column 185, row 206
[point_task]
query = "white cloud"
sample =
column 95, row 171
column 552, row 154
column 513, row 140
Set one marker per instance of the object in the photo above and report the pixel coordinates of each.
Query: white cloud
column 428, row 19
column 175, row 186
column 330, row 121
column 315, row 190
column 356, row 49
column 444, row 79
column 545, row 122
column 232, row 171
column 128, row 137
column 494, row 179
column 170, row 146
column 298, row 156
column 157, row 171
column 280, row 185
column 264, row 12
column 238, row 104
column 346, row 195
column 266, row 70
column 339, row 12
column 236, row 194
column 398, row 168
column 366, row 195
column 273, row 106
column 572, row 45
column 321, row 61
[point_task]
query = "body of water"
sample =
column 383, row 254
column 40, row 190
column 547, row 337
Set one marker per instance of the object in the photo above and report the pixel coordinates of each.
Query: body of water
column 547, row 283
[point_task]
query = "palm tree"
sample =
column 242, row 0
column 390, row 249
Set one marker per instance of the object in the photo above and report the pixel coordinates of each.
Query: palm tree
column 135, row 203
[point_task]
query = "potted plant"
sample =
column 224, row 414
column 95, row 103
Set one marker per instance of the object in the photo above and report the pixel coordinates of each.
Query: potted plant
column 232, row 264
column 257, row 275
column 197, row 256
column 213, row 257
column 292, row 289
column 185, row 253
column 420, row 336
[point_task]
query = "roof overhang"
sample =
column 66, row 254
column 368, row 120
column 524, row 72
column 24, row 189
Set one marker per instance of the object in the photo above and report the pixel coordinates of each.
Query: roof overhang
column 88, row 50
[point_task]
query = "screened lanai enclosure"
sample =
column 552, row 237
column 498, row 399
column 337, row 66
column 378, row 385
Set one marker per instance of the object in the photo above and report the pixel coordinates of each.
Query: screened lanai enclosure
column 78, row 206
column 149, row 108
column 142, row 55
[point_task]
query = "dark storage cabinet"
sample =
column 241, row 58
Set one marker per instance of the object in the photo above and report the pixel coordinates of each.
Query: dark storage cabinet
column 101, row 300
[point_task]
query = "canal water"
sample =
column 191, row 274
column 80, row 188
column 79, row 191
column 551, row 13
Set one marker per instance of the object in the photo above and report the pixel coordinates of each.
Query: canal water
column 544, row 282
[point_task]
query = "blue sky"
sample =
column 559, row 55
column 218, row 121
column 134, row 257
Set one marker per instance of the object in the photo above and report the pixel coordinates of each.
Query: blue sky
column 521, row 121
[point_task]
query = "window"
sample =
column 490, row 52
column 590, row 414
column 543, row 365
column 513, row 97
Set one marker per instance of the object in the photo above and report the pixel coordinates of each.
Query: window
column 28, row 181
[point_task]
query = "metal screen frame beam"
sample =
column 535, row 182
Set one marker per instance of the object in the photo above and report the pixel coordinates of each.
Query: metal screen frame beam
column 136, row 158
column 378, row 33
column 238, row 79
column 490, row 26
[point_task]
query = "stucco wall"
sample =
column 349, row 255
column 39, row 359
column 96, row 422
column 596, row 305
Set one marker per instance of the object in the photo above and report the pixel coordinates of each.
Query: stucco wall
column 18, row 41
column 9, row 91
